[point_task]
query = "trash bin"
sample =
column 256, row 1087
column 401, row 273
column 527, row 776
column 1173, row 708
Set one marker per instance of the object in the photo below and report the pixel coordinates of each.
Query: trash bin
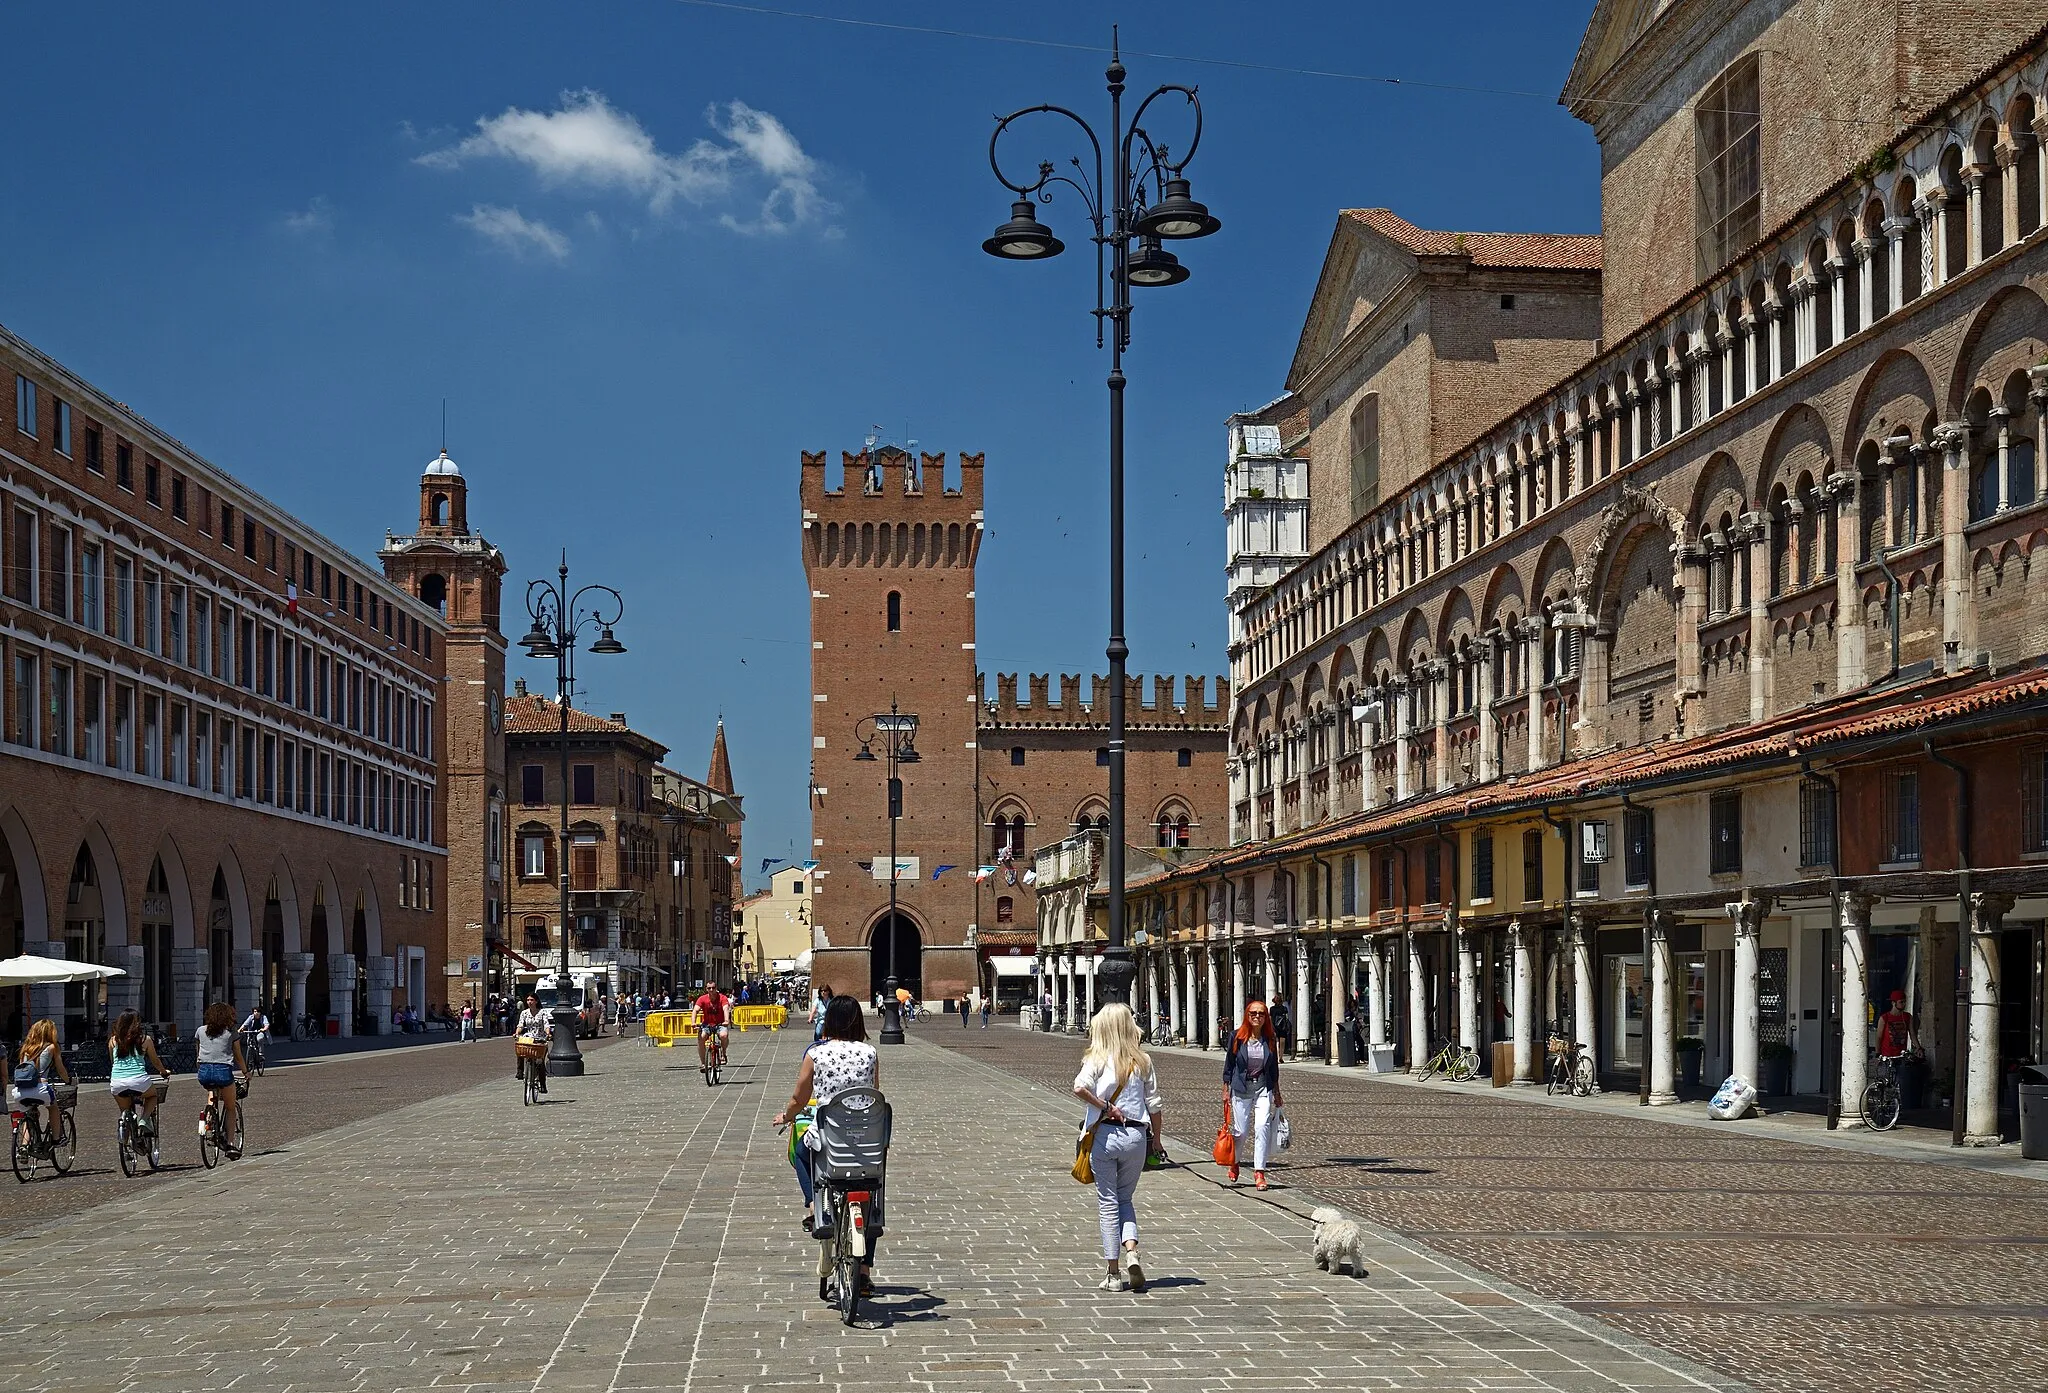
column 2033, row 1085
column 1347, row 1045
column 1503, row 1063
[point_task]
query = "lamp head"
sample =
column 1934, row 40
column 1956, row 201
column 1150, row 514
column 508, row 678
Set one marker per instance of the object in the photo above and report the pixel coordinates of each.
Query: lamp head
column 607, row 642
column 1177, row 215
column 1152, row 264
column 1023, row 237
column 866, row 755
column 538, row 643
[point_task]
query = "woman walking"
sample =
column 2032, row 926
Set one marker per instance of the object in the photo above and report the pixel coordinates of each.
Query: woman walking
column 1251, row 1071
column 1122, row 1094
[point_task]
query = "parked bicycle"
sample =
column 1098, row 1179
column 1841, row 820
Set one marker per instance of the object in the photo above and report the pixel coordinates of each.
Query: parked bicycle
column 1570, row 1070
column 1454, row 1062
column 139, row 1135
column 1881, row 1096
column 214, row 1141
column 33, row 1143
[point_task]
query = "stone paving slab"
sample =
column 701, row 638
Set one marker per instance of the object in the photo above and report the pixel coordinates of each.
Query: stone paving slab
column 640, row 1232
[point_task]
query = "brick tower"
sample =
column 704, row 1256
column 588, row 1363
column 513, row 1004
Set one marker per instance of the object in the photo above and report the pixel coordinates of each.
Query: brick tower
column 890, row 559
column 461, row 574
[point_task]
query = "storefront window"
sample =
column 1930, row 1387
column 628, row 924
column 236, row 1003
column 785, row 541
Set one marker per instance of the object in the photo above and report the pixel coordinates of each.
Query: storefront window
column 1625, row 993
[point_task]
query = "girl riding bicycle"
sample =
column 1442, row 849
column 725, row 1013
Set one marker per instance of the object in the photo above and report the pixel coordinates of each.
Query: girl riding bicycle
column 220, row 1059
column 132, row 1076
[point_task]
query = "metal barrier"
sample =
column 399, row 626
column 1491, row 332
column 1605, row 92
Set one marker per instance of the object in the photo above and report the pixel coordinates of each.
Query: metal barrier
column 748, row 1017
column 664, row 1028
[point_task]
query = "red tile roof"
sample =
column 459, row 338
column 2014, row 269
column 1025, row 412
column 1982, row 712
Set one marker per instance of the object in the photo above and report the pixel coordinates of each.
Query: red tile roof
column 535, row 715
column 1528, row 250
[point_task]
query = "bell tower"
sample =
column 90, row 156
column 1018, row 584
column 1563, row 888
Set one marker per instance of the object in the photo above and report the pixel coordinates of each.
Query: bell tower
column 460, row 574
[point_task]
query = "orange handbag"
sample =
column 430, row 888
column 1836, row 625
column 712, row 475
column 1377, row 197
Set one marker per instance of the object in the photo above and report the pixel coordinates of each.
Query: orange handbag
column 1225, row 1150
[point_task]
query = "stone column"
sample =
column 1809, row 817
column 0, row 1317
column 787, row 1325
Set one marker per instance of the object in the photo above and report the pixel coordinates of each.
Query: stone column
column 1404, row 727
column 1302, row 1000
column 1237, row 994
column 1209, row 958
column 123, row 993
column 1851, row 634
column 1974, row 222
column 1957, row 630
column 1866, row 293
column 248, row 979
column 190, row 968
column 1773, row 336
column 380, row 974
column 1418, row 1005
column 1584, row 986
column 1748, row 916
column 1375, row 994
column 1440, row 709
column 2041, row 166
column 1269, row 987
column 1524, row 938
column 1980, row 1094
column 1936, row 211
column 1660, row 1041
column 1532, row 635
column 2008, row 157
column 341, row 990
column 1489, row 754
column 1756, row 528
column 1838, row 316
column 1854, row 909
column 1087, row 988
column 1468, row 991
column 1176, row 990
column 2037, row 393
column 299, row 967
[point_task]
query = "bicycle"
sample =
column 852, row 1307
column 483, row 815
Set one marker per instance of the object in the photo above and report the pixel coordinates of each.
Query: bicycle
column 214, row 1142
column 138, row 1135
column 32, row 1143
column 1570, row 1072
column 533, row 1071
column 1454, row 1062
column 714, row 1057
column 850, row 1168
column 1881, row 1096
column 252, row 1051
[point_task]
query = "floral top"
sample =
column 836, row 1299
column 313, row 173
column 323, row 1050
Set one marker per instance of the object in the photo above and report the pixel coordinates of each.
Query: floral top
column 837, row 1065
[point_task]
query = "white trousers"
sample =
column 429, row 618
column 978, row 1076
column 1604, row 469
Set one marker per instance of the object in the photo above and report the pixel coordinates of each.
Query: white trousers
column 1252, row 1112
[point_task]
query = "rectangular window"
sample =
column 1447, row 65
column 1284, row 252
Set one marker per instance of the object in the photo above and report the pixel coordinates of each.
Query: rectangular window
column 1482, row 866
column 202, row 632
column 1349, row 900
column 60, row 709
column 532, row 785
column 94, row 750
column 1432, row 874
column 124, row 728
column 178, row 497
column 269, row 789
column 583, row 864
column 584, row 781
column 249, row 539
column 1638, row 849
column 1724, row 833
column 306, row 780
column 1532, row 865
column 91, row 602
column 202, row 751
column 359, row 600
column 62, row 439
column 94, row 460
column 245, row 671
column 174, row 626
column 326, row 581
column 246, row 785
column 57, row 595
column 152, row 482
column 1727, row 167
column 1589, row 865
column 306, row 573
column 285, row 663
column 1184, row 758
column 1902, row 817
column 321, row 686
column 124, row 599
column 2034, row 801
column 1386, row 895
column 21, row 561
column 227, row 522
column 270, row 550
column 27, row 699
column 266, row 662
column 176, row 772
column 152, row 608
column 533, row 856
column 24, row 406
column 124, row 465
column 152, row 735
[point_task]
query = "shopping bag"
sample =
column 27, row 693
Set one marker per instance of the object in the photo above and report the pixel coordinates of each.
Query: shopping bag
column 1225, row 1151
column 1283, row 1133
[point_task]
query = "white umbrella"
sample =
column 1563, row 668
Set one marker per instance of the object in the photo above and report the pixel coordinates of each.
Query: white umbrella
column 803, row 961
column 31, row 971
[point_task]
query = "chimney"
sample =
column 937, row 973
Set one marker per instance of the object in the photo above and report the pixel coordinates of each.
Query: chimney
column 619, row 716
column 519, row 686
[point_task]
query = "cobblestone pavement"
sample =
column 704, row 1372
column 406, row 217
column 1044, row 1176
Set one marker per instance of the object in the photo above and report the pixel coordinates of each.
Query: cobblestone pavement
column 295, row 1099
column 639, row 1231
column 1794, row 1267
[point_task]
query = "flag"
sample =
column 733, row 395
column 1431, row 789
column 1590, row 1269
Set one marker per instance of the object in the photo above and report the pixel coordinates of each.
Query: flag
column 1031, row 877
column 733, row 861
column 983, row 873
column 291, row 598
column 938, row 871
column 810, row 865
column 767, row 861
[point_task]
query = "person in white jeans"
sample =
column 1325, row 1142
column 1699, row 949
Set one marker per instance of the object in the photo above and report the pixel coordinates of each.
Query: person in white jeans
column 1122, row 1093
column 1251, row 1071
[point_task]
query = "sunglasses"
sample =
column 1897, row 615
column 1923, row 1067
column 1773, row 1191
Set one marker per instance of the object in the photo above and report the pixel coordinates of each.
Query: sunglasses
column 1257, row 1015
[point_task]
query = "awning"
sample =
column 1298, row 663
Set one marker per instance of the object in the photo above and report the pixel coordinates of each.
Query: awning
column 1012, row 967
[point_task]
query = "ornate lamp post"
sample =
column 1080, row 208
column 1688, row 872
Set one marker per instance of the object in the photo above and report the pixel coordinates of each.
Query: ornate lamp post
column 894, row 730
column 1145, row 202
column 559, row 617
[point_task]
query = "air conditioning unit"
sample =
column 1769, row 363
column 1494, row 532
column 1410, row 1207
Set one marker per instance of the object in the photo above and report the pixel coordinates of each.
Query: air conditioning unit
column 1593, row 843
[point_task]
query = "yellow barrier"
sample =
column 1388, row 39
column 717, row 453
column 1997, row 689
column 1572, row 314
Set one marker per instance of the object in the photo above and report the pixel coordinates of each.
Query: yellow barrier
column 664, row 1028
column 747, row 1017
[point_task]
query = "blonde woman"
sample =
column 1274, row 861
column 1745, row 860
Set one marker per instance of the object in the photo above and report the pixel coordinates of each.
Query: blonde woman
column 1122, row 1093
column 39, row 1064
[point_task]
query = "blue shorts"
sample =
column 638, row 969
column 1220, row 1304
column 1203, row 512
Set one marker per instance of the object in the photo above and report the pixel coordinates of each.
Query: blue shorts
column 216, row 1076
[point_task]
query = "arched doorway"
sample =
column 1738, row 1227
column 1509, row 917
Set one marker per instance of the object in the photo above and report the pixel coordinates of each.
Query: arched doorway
column 159, row 1001
column 220, row 942
column 359, row 944
column 85, row 940
column 318, row 1001
column 13, row 935
column 277, row 983
column 895, row 947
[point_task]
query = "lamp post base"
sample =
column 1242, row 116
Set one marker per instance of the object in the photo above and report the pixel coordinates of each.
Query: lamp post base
column 892, row 1015
column 565, row 1058
column 1116, row 971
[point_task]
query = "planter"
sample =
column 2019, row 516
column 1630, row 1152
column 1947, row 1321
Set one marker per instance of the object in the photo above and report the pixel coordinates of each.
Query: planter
column 1777, row 1076
column 1690, row 1065
column 1913, row 1085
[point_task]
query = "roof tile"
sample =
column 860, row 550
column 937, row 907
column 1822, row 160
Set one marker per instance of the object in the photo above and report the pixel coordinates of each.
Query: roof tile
column 1528, row 250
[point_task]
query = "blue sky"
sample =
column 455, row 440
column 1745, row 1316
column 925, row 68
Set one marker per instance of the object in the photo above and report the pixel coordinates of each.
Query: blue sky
column 649, row 251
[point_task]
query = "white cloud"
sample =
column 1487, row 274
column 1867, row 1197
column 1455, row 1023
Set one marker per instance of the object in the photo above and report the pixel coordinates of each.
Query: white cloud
column 513, row 232
column 314, row 220
column 755, row 172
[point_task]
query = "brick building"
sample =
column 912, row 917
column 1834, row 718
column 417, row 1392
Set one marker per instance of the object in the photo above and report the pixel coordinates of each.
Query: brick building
column 1620, row 719
column 221, row 734
column 890, row 557
column 650, row 856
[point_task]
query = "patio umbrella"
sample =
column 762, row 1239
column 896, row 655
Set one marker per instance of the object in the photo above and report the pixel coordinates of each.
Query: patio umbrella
column 31, row 971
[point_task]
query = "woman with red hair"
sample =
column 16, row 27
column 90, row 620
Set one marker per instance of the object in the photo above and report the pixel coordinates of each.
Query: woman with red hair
column 1251, row 1071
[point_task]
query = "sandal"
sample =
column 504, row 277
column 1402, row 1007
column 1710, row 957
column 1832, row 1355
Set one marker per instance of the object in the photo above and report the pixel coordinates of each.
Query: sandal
column 1258, row 1180
column 1233, row 1173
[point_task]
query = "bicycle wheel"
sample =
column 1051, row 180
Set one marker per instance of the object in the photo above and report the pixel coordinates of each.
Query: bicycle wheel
column 1429, row 1069
column 209, row 1140
column 124, row 1146
column 64, row 1142
column 1582, row 1076
column 847, row 1271
column 1881, row 1106
column 241, row 1133
column 24, row 1159
column 1558, row 1080
column 1461, row 1068
column 155, row 1142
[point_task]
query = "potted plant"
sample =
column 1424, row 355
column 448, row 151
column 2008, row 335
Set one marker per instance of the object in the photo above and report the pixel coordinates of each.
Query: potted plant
column 1774, row 1062
column 1692, row 1054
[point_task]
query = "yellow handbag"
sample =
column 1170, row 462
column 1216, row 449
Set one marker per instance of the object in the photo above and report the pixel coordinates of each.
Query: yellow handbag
column 1084, row 1160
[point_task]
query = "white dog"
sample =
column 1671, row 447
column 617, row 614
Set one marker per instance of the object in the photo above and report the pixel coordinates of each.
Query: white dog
column 1339, row 1242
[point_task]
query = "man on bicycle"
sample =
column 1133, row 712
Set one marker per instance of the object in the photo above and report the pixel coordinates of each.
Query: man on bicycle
column 536, row 1024
column 713, row 1024
column 255, row 1029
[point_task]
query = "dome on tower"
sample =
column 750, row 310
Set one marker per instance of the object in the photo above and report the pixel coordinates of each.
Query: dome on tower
column 440, row 465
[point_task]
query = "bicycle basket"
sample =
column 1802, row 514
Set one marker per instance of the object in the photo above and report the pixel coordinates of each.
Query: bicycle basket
column 241, row 1086
column 851, row 1136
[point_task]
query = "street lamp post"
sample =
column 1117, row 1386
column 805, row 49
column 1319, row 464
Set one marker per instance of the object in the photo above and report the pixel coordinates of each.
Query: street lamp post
column 559, row 617
column 1146, row 201
column 895, row 730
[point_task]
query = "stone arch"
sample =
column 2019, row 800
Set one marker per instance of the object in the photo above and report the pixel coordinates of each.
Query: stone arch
column 1555, row 577
column 2008, row 334
column 178, row 891
column 25, row 882
column 1503, row 592
column 1454, row 620
column 114, row 898
column 1799, row 440
column 1092, row 812
column 896, row 949
column 1639, row 607
column 1636, row 507
column 1173, row 822
column 1896, row 394
column 1720, row 488
column 1343, row 672
column 367, row 927
column 1379, row 656
column 229, row 875
column 1414, row 637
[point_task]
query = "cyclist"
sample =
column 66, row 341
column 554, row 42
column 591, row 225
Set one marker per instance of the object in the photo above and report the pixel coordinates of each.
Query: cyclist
column 713, row 1025
column 220, row 1059
column 255, row 1029
column 135, row 1068
column 539, row 1024
column 841, row 1059
column 38, row 1061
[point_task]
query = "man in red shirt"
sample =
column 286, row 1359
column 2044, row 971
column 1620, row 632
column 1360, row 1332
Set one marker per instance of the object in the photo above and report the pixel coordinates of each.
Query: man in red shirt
column 1895, row 1029
column 713, row 1025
